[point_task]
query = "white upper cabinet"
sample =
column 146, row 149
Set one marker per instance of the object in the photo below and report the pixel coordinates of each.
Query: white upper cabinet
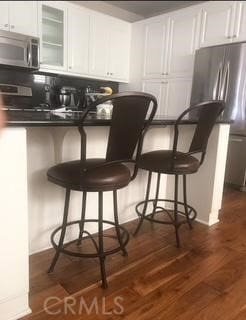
column 156, row 41
column 217, row 23
column 4, row 15
column 78, row 40
column 239, row 33
column 119, row 49
column 170, row 44
column 53, row 34
column 183, row 41
column 23, row 17
column 99, row 46
column 19, row 16
column 109, row 48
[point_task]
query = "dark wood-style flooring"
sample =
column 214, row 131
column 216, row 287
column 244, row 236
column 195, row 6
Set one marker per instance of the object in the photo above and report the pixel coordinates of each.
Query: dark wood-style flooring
column 205, row 279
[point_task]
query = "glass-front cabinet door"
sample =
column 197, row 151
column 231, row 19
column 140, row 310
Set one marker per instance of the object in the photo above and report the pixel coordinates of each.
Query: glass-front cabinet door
column 52, row 33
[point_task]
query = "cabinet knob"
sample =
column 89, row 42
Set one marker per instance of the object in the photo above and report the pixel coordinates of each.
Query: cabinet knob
column 111, row 73
column 6, row 25
column 107, row 73
column 234, row 36
column 12, row 27
column 229, row 37
column 70, row 67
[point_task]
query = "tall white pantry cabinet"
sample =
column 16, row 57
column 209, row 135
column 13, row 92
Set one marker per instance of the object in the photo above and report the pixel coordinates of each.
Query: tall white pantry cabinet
column 163, row 49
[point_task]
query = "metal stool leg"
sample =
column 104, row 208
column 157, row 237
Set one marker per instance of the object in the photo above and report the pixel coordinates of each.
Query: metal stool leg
column 82, row 221
column 116, row 220
column 156, row 195
column 176, row 225
column 63, row 232
column 100, row 240
column 145, row 205
column 185, row 202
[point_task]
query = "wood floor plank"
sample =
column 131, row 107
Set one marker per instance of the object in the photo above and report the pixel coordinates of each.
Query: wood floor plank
column 228, row 305
column 159, row 298
column 38, row 299
column 189, row 304
column 241, row 315
column 89, row 307
column 223, row 278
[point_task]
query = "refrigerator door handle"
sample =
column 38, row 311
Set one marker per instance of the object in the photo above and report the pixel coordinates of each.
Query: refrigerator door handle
column 225, row 83
column 217, row 85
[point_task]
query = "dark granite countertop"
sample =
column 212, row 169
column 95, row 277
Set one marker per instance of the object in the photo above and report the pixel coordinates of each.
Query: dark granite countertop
column 43, row 118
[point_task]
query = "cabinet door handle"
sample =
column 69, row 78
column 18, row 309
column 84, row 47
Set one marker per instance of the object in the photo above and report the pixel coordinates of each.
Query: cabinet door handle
column 12, row 26
column 111, row 73
column 236, row 140
column 6, row 25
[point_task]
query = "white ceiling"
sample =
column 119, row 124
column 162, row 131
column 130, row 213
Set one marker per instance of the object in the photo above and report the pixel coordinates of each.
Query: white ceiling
column 135, row 10
column 150, row 8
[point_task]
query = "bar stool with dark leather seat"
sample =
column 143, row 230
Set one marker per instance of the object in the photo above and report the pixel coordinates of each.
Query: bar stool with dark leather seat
column 177, row 163
column 132, row 114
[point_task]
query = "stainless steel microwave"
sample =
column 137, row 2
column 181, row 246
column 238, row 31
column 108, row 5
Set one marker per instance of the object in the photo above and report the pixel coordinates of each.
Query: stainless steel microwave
column 19, row 50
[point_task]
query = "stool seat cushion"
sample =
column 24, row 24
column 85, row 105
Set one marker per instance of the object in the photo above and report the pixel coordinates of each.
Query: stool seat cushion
column 106, row 178
column 161, row 161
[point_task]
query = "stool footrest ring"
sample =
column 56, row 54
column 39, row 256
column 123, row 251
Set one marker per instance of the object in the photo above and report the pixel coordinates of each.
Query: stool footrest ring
column 124, row 236
column 150, row 216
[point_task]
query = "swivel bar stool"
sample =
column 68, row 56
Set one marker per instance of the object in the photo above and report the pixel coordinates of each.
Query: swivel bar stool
column 132, row 114
column 177, row 163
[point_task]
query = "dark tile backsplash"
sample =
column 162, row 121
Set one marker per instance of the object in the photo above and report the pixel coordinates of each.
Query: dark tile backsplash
column 45, row 86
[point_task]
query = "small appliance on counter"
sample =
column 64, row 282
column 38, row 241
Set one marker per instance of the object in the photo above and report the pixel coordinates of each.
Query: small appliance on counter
column 69, row 98
column 91, row 95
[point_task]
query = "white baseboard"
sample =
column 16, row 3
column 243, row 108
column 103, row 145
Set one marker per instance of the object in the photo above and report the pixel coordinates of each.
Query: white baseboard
column 15, row 308
column 210, row 223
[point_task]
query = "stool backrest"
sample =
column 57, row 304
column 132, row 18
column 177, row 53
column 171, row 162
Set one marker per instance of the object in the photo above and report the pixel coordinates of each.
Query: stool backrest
column 132, row 114
column 128, row 122
column 205, row 114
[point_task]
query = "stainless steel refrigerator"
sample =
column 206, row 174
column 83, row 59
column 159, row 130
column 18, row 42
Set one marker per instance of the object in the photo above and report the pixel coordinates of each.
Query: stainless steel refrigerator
column 220, row 74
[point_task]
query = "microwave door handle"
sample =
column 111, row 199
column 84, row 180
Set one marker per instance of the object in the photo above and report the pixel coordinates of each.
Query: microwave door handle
column 27, row 54
column 28, row 49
